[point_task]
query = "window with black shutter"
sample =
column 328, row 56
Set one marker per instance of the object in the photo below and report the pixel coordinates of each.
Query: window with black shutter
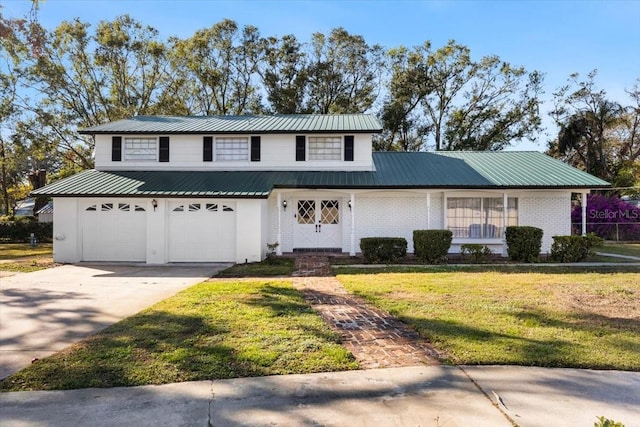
column 255, row 148
column 300, row 148
column 163, row 154
column 207, row 149
column 116, row 149
column 348, row 148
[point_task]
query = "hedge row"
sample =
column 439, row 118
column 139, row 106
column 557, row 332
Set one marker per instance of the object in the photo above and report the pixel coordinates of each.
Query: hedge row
column 429, row 246
column 383, row 249
column 574, row 248
column 20, row 231
column 524, row 243
column 432, row 245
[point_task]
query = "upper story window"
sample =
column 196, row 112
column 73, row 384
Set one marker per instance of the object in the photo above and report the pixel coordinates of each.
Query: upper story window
column 325, row 148
column 480, row 217
column 232, row 148
column 140, row 148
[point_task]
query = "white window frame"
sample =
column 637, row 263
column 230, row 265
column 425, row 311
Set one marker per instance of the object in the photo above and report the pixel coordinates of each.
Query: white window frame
column 479, row 224
column 327, row 153
column 140, row 148
column 232, row 149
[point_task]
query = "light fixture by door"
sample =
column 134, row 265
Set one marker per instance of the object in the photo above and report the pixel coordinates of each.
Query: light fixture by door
column 154, row 203
column 284, row 205
column 349, row 204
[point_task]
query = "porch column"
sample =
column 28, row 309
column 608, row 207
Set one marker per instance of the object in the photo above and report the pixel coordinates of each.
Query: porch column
column 279, row 236
column 428, row 211
column 352, row 251
column 584, row 214
column 505, row 206
column 444, row 212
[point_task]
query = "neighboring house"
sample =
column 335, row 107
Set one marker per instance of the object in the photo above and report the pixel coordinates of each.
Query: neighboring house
column 45, row 214
column 220, row 188
column 24, row 207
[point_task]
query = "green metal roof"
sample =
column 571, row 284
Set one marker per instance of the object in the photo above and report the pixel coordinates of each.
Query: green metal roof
column 525, row 169
column 277, row 123
column 450, row 170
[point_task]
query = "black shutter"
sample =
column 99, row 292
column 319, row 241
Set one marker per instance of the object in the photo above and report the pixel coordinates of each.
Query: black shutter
column 164, row 149
column 348, row 148
column 207, row 149
column 255, row 148
column 116, row 148
column 300, row 148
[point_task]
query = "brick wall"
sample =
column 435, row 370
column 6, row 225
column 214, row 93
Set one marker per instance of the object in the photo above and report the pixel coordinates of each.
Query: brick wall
column 548, row 211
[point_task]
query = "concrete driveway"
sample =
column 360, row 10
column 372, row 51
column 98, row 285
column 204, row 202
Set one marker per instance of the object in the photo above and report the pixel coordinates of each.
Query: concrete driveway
column 45, row 311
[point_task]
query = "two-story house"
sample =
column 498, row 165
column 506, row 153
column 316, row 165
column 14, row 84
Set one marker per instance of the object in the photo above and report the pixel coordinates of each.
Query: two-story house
column 220, row 188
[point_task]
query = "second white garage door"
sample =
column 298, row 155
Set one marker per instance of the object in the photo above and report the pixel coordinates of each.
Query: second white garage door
column 202, row 231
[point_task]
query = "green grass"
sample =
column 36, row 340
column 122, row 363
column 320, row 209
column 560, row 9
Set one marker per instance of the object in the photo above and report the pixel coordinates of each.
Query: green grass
column 24, row 250
column 631, row 249
column 267, row 268
column 218, row 329
column 23, row 258
column 556, row 318
column 497, row 268
column 26, row 266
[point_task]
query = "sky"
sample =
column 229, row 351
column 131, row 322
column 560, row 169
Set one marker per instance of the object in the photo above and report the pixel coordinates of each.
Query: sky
column 555, row 37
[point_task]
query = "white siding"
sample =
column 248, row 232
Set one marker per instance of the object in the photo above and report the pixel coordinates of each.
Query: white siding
column 66, row 230
column 550, row 211
column 390, row 215
column 278, row 152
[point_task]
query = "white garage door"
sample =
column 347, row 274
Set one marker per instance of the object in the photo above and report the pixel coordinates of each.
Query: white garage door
column 202, row 231
column 114, row 231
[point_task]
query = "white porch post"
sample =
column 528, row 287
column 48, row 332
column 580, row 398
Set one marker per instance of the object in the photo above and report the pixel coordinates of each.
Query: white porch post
column 428, row 211
column 352, row 250
column 584, row 214
column 279, row 237
column 444, row 212
column 505, row 208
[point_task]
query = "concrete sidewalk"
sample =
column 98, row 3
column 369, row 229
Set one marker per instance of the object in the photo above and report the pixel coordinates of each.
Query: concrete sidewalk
column 407, row 396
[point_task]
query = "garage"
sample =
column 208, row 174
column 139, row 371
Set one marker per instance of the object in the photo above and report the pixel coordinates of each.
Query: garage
column 202, row 231
column 114, row 230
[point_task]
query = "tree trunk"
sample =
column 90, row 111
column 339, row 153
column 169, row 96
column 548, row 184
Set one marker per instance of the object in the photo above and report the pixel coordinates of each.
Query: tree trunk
column 5, row 189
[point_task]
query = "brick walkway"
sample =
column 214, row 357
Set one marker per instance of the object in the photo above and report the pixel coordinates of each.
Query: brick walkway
column 374, row 337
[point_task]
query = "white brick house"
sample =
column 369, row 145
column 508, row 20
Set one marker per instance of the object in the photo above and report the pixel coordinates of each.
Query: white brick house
column 220, row 188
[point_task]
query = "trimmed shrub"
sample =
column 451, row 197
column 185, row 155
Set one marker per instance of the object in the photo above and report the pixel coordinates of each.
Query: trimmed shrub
column 432, row 245
column 383, row 249
column 475, row 252
column 524, row 243
column 19, row 231
column 574, row 248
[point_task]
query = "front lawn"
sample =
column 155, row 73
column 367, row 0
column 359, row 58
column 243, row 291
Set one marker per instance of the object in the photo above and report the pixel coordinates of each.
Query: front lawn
column 217, row 329
column 546, row 317
column 266, row 268
column 631, row 249
column 24, row 258
column 24, row 250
